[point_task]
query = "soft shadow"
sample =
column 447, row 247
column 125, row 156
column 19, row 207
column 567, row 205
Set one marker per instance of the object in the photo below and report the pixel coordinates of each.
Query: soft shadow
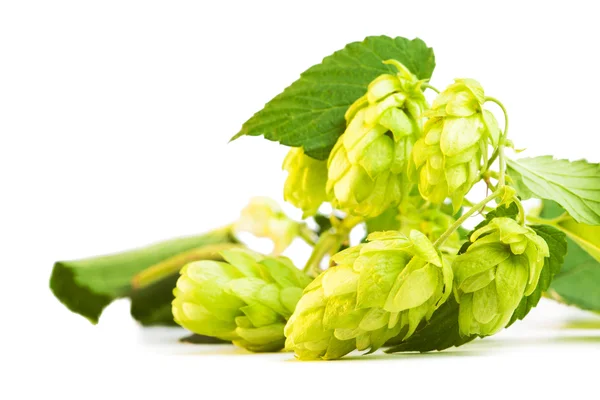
column 211, row 350
column 161, row 335
column 434, row 354
column 381, row 355
column 491, row 344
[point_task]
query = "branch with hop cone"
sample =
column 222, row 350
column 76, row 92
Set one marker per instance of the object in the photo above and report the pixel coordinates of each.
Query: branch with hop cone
column 404, row 166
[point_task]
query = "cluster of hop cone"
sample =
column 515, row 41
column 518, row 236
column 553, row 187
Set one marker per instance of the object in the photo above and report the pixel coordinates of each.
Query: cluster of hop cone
column 397, row 153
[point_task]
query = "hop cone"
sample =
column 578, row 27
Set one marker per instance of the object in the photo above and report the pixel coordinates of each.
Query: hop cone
column 263, row 217
column 375, row 292
column 368, row 164
column 305, row 184
column 246, row 299
column 448, row 159
column 502, row 265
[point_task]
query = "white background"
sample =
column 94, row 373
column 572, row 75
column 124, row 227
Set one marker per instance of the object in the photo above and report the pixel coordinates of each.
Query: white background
column 114, row 123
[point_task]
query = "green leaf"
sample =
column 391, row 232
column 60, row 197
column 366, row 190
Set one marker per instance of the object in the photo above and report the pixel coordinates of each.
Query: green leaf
column 558, row 248
column 574, row 185
column 310, row 112
column 586, row 236
column 440, row 333
column 151, row 305
column 323, row 223
column 87, row 286
column 578, row 282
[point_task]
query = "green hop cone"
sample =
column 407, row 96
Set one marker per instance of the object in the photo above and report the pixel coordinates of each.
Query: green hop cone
column 246, row 299
column 377, row 291
column 305, row 184
column 448, row 159
column 368, row 164
column 502, row 265
column 263, row 217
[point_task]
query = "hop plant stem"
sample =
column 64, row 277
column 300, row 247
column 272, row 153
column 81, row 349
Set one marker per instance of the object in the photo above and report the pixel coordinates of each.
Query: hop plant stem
column 521, row 210
column 173, row 264
column 308, row 235
column 428, row 86
column 464, row 217
column 329, row 243
column 502, row 162
column 500, row 150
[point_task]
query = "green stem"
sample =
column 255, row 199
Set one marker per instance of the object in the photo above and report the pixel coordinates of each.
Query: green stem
column 500, row 150
column 499, row 103
column 468, row 203
column 464, row 217
column 553, row 221
column 502, row 166
column 521, row 210
column 428, row 86
column 173, row 264
column 328, row 243
column 308, row 235
column 492, row 159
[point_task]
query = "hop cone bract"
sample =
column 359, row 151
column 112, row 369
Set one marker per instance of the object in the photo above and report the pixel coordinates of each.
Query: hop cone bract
column 376, row 291
column 246, row 299
column 305, row 184
column 448, row 159
column 502, row 265
column 368, row 164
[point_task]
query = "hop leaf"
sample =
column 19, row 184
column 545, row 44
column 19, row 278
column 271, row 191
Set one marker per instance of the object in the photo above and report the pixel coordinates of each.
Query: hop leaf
column 448, row 159
column 305, row 184
column 368, row 164
column 503, row 264
column 246, row 299
column 376, row 291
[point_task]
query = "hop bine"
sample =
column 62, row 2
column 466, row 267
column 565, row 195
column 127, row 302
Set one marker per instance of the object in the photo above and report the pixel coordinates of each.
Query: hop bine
column 368, row 164
column 502, row 265
column 448, row 160
column 246, row 299
column 377, row 291
column 305, row 184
